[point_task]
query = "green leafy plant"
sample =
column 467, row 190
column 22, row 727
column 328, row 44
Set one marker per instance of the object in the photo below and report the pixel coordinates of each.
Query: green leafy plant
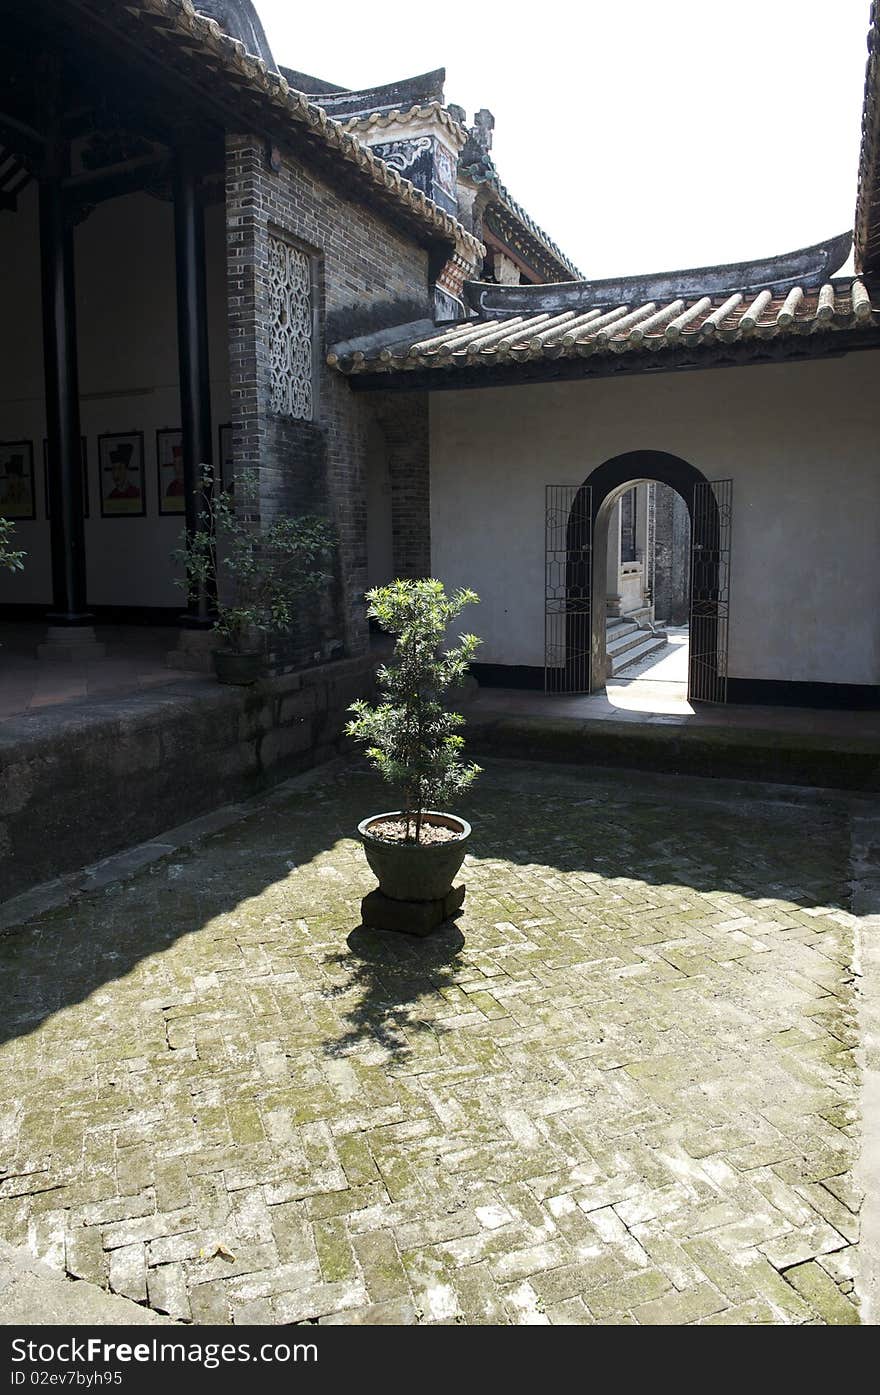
column 259, row 575
column 10, row 559
column 409, row 736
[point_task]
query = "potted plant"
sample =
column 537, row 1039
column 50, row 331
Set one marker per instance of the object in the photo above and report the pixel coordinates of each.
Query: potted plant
column 259, row 575
column 410, row 737
column 10, row 559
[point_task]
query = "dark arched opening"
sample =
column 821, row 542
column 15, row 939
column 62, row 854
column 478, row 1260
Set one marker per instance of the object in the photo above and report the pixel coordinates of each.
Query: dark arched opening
column 587, row 542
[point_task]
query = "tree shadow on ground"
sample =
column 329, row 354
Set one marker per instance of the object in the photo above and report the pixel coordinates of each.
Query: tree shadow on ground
column 391, row 974
column 533, row 825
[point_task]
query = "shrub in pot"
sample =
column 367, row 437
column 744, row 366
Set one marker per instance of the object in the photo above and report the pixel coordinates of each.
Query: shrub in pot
column 412, row 739
column 258, row 574
column 11, row 560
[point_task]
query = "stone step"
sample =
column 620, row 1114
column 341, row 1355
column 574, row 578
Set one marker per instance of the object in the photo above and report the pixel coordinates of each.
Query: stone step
column 619, row 641
column 651, row 645
column 614, row 629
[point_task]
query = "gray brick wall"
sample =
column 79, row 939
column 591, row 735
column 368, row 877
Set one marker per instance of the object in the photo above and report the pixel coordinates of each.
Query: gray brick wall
column 368, row 275
column 403, row 418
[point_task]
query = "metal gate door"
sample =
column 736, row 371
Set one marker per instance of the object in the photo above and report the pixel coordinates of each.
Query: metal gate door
column 710, row 591
column 568, row 588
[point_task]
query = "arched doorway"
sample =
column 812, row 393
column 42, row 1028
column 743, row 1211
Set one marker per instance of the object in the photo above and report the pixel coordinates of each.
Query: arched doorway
column 576, row 568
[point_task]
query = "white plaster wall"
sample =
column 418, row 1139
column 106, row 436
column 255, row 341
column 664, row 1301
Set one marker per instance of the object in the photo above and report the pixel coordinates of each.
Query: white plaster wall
column 800, row 441
column 127, row 331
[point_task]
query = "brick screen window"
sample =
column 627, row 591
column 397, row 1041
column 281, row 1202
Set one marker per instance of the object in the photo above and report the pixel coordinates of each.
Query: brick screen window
column 291, row 341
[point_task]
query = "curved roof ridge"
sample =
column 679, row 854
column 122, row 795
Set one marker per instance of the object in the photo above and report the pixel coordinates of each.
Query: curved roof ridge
column 807, row 266
column 187, row 37
column 239, row 19
column 345, row 104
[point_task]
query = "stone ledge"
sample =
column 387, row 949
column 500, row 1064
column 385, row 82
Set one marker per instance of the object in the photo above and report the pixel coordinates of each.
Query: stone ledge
column 848, row 763
column 86, row 779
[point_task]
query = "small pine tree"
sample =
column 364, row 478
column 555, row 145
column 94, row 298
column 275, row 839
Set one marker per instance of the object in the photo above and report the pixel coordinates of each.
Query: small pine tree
column 409, row 736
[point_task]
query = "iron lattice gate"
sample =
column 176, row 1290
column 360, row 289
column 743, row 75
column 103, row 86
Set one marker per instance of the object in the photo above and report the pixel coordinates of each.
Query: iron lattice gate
column 710, row 591
column 568, row 588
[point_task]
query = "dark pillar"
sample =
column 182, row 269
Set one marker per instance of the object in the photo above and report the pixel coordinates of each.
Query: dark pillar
column 192, row 345
column 62, row 400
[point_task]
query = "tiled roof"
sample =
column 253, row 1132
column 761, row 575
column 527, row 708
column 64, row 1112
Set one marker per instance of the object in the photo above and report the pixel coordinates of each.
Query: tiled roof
column 867, row 229
column 386, row 120
column 224, row 61
column 647, row 328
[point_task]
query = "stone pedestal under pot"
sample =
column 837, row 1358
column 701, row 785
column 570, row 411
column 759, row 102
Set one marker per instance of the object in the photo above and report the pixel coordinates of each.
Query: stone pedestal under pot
column 415, row 893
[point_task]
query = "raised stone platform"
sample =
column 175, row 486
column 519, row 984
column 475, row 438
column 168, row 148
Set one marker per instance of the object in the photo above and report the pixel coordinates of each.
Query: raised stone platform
column 837, row 750
column 81, row 780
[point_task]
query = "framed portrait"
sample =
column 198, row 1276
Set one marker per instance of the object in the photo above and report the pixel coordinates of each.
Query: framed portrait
column 169, row 464
column 84, row 452
column 121, row 473
column 227, row 479
column 17, row 498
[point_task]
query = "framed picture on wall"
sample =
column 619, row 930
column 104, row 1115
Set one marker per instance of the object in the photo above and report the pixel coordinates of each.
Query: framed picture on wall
column 169, row 464
column 227, row 479
column 17, row 498
column 121, row 472
column 84, row 452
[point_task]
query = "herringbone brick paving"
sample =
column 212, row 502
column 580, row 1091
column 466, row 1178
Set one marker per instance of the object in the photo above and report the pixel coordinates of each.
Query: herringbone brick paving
column 621, row 1090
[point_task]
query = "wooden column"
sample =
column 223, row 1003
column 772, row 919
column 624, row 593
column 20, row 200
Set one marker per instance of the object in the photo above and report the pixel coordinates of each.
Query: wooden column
column 192, row 345
column 62, row 398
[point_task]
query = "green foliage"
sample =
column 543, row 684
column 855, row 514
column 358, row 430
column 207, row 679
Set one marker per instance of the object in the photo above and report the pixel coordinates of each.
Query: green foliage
column 10, row 559
column 260, row 574
column 409, row 736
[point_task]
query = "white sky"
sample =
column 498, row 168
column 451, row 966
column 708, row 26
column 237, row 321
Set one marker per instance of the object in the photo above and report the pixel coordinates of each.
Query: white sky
column 642, row 135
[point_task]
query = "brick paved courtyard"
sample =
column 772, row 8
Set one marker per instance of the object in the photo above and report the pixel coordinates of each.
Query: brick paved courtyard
column 622, row 1089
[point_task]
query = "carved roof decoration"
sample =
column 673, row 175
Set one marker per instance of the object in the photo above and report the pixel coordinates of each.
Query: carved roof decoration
column 195, row 44
column 477, row 164
column 672, row 312
column 410, row 100
column 867, row 219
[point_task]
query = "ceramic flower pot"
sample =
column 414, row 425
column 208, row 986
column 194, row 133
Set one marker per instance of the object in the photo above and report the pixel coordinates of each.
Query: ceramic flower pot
column 416, row 871
column 239, row 668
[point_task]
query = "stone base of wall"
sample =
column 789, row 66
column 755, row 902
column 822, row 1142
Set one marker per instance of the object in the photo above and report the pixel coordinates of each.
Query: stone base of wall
column 86, row 780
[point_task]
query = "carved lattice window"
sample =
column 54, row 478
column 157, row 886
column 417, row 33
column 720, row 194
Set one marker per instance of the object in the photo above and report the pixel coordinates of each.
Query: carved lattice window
column 290, row 331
